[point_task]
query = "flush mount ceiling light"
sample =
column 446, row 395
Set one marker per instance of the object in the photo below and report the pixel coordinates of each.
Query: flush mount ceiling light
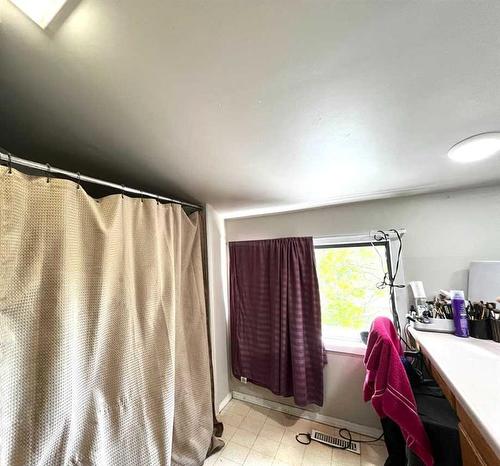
column 478, row 147
column 42, row 12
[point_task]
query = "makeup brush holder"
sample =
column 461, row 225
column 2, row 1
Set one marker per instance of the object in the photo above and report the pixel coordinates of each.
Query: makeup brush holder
column 480, row 329
column 495, row 329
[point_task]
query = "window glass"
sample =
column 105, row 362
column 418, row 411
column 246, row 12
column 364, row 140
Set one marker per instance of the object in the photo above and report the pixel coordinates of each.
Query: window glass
column 348, row 278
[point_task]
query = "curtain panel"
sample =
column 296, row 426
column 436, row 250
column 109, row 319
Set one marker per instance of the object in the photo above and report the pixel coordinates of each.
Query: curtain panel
column 276, row 317
column 103, row 342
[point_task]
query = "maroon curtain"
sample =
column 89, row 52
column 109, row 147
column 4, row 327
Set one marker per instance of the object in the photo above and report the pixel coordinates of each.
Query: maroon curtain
column 276, row 317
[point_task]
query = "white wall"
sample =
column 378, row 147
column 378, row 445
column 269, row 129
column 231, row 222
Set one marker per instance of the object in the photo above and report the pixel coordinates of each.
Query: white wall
column 217, row 270
column 445, row 232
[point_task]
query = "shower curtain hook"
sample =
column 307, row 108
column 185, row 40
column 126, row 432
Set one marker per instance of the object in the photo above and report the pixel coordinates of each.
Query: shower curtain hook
column 142, row 196
column 157, row 200
column 123, row 189
column 79, row 180
column 9, row 163
column 48, row 173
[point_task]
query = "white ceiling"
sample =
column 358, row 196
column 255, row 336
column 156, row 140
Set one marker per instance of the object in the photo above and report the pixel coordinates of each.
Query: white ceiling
column 249, row 105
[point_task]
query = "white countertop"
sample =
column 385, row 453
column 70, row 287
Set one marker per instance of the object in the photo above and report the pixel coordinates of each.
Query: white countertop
column 471, row 368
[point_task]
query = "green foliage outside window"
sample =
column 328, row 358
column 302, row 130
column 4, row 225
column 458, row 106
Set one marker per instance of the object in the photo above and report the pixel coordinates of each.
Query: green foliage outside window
column 347, row 278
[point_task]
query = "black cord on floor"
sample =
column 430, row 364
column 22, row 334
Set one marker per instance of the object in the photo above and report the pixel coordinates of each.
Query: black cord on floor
column 306, row 435
column 348, row 438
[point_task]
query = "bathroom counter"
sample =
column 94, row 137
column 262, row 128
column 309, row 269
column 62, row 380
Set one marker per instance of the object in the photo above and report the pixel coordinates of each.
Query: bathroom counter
column 468, row 371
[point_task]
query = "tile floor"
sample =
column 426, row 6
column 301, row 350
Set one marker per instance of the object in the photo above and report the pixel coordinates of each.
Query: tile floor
column 257, row 436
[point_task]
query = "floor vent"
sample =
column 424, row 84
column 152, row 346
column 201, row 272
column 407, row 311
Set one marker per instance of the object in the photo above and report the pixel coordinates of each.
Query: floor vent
column 335, row 442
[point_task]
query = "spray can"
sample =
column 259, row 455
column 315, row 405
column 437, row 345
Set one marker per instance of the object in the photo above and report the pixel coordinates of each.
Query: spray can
column 459, row 313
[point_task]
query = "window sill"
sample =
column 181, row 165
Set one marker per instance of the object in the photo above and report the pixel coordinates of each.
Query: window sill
column 345, row 346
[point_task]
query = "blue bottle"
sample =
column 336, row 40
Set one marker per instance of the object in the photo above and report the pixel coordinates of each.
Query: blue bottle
column 459, row 313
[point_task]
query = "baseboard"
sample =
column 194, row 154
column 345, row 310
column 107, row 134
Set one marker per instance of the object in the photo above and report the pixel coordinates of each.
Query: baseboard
column 224, row 402
column 303, row 413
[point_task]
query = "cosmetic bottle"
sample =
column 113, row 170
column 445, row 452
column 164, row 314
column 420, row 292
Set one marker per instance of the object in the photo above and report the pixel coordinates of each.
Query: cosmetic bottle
column 459, row 313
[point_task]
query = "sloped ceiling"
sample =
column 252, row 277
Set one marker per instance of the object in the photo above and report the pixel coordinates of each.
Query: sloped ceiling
column 255, row 104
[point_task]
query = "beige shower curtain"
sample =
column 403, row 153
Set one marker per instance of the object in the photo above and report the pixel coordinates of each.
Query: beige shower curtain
column 103, row 343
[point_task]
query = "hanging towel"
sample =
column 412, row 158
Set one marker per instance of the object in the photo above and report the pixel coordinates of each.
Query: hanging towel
column 388, row 387
column 276, row 317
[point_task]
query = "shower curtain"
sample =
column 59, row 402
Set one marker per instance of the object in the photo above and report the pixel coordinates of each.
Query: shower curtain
column 103, row 343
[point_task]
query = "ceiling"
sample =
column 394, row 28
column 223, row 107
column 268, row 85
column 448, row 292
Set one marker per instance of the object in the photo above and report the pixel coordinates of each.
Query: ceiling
column 255, row 106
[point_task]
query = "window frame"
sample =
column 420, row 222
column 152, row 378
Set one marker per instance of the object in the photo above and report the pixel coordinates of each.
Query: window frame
column 349, row 345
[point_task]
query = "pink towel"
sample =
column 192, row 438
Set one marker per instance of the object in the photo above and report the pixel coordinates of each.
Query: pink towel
column 388, row 387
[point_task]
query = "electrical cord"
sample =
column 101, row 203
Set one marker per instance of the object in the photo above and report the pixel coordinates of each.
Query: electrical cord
column 306, row 435
column 348, row 438
column 407, row 334
column 390, row 278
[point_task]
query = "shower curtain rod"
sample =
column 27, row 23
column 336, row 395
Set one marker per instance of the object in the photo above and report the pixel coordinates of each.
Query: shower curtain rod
column 10, row 159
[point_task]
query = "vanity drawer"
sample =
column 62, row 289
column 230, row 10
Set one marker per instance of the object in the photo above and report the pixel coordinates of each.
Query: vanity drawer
column 470, row 455
column 471, row 434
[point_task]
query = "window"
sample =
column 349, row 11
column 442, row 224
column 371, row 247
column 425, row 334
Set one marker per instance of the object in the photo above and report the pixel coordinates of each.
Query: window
column 348, row 275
